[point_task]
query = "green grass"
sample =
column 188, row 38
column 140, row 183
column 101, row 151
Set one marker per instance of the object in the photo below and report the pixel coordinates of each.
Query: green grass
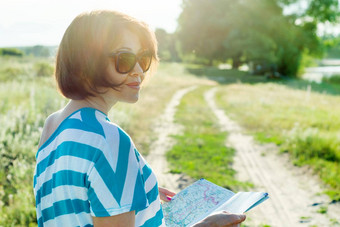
column 323, row 210
column 25, row 68
column 335, row 79
column 326, row 87
column 200, row 151
column 224, row 76
column 334, row 222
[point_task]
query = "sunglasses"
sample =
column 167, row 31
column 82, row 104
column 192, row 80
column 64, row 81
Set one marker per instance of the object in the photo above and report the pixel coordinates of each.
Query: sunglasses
column 126, row 61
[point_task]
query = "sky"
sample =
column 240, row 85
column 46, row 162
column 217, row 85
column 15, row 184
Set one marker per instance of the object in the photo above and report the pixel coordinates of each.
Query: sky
column 43, row 22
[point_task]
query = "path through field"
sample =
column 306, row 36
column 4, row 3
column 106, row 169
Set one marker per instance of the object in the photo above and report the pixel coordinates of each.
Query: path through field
column 156, row 158
column 295, row 195
column 292, row 191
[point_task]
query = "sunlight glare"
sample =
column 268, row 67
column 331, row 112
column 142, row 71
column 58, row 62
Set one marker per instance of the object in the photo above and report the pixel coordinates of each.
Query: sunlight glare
column 44, row 22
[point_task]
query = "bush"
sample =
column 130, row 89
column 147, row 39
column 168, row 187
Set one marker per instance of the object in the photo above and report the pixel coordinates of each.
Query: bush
column 11, row 52
column 320, row 150
column 10, row 73
column 43, row 69
column 308, row 144
column 18, row 141
column 335, row 79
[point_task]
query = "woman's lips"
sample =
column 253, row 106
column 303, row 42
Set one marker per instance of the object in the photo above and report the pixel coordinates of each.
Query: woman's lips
column 134, row 85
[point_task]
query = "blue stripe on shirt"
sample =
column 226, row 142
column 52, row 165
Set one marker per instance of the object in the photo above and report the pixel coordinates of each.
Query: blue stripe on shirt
column 68, row 148
column 100, row 210
column 154, row 221
column 146, row 171
column 110, row 178
column 89, row 116
column 123, row 160
column 77, row 124
column 65, row 207
column 65, row 177
column 139, row 197
column 153, row 193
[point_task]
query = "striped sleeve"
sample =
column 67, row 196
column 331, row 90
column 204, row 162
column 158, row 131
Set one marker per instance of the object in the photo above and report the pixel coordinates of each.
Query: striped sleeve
column 115, row 183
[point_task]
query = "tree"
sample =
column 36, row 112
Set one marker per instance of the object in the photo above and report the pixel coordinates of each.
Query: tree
column 223, row 29
column 332, row 46
column 250, row 37
column 202, row 28
column 37, row 51
column 317, row 10
column 166, row 45
column 252, row 30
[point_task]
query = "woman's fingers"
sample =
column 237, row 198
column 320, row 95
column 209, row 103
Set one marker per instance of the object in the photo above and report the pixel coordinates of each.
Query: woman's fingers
column 165, row 194
column 164, row 197
column 231, row 219
column 166, row 191
column 222, row 219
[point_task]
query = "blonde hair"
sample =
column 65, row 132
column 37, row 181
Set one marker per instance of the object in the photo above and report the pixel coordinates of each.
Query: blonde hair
column 82, row 56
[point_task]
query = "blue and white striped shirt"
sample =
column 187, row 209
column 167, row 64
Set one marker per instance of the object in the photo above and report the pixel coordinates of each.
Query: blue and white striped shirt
column 90, row 167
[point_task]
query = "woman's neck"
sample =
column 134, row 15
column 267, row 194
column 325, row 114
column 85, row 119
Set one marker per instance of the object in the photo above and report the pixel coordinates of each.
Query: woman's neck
column 98, row 103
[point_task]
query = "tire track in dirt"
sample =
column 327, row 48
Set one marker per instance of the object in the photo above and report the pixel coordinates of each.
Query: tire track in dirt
column 292, row 190
column 164, row 128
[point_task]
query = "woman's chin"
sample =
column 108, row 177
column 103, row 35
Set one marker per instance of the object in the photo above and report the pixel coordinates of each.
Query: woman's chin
column 131, row 99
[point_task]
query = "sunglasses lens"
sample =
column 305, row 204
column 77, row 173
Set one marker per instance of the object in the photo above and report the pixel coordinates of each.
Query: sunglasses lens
column 125, row 62
column 145, row 61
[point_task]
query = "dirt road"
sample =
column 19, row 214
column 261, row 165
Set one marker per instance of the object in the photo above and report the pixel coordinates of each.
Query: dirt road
column 295, row 195
column 156, row 158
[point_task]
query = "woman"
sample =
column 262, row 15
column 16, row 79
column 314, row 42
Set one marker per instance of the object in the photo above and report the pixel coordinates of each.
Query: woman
column 88, row 171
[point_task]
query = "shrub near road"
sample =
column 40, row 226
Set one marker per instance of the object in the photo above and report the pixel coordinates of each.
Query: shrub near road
column 23, row 109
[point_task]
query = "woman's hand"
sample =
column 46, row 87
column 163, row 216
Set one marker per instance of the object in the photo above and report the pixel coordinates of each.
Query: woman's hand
column 222, row 219
column 165, row 194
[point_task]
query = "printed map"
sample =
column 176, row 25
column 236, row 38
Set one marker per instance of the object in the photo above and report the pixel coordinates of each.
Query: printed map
column 194, row 203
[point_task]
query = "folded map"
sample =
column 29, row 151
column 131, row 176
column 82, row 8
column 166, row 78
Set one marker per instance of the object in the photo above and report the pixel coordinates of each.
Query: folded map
column 202, row 198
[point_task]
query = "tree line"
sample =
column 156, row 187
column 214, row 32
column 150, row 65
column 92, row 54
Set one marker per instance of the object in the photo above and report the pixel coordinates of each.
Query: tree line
column 256, row 32
column 37, row 51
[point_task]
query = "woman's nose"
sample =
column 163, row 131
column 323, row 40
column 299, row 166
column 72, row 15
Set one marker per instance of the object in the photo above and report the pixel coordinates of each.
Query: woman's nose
column 137, row 70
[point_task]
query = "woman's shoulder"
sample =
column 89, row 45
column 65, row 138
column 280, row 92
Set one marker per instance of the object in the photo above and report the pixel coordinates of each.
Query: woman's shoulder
column 51, row 124
column 85, row 123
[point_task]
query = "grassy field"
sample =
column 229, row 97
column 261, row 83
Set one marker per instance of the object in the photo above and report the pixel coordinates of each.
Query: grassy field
column 304, row 124
column 301, row 118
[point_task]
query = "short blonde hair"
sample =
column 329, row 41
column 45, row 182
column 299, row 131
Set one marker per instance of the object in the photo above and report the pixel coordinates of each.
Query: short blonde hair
column 82, row 56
